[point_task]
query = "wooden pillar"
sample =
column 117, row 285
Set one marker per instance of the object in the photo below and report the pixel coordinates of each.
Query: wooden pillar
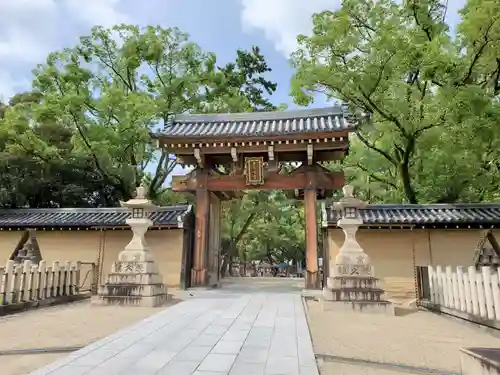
column 325, row 254
column 214, row 241
column 201, row 243
column 312, row 275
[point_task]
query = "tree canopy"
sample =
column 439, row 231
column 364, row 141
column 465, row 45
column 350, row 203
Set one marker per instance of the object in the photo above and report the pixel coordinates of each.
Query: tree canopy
column 426, row 99
column 98, row 102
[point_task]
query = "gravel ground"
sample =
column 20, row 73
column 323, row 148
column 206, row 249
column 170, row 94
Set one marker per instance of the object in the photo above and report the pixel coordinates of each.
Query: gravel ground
column 76, row 324
column 421, row 339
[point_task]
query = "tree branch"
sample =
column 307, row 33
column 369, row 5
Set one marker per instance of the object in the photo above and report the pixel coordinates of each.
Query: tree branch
column 427, row 29
column 496, row 79
column 379, row 77
column 384, row 114
column 375, row 177
column 375, row 148
column 244, row 228
column 478, row 54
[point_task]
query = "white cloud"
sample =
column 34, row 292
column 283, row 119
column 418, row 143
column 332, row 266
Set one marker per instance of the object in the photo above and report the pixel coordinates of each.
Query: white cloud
column 31, row 28
column 97, row 12
column 282, row 20
column 10, row 85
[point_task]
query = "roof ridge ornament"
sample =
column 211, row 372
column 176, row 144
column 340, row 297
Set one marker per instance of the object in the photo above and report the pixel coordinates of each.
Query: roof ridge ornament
column 169, row 121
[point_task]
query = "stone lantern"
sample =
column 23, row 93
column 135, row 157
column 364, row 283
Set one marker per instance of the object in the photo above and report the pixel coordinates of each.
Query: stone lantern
column 134, row 278
column 351, row 280
column 140, row 210
column 351, row 259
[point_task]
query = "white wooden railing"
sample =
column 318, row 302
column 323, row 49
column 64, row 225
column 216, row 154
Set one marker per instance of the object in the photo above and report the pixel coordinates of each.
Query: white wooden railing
column 29, row 282
column 466, row 290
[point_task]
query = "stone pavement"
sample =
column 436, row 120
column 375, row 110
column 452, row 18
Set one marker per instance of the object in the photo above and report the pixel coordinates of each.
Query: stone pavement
column 214, row 333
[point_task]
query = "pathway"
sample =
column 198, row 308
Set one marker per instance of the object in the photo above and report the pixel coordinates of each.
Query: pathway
column 237, row 330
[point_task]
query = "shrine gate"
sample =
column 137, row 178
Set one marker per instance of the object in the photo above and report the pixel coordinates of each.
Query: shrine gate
column 231, row 153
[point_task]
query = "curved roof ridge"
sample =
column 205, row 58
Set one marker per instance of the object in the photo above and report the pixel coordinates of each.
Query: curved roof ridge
column 87, row 217
column 431, row 205
column 333, row 119
column 259, row 116
column 427, row 214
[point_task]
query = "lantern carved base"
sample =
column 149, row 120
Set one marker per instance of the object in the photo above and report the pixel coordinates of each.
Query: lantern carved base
column 132, row 283
column 353, row 288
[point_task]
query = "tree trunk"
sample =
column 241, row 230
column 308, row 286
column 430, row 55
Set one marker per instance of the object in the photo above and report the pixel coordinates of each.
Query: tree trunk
column 231, row 263
column 223, row 266
column 404, row 169
column 407, row 188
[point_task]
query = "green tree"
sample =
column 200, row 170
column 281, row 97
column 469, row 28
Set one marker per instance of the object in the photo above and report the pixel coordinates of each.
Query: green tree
column 277, row 235
column 241, row 86
column 419, row 94
column 117, row 86
column 29, row 176
column 263, row 225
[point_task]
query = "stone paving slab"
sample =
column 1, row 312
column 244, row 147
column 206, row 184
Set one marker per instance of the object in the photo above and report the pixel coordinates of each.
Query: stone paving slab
column 238, row 334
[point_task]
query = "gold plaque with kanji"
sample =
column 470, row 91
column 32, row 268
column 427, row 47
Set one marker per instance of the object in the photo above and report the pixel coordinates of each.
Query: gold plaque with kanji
column 254, row 170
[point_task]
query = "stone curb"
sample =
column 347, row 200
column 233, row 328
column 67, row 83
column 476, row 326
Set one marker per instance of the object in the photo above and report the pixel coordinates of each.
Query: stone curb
column 387, row 365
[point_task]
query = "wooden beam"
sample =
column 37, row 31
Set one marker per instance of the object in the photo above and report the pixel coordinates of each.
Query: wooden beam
column 199, row 158
column 246, row 148
column 310, row 153
column 270, row 153
column 299, row 180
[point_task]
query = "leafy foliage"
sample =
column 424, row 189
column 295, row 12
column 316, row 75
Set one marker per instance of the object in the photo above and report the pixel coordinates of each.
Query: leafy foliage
column 427, row 102
column 264, row 225
column 104, row 97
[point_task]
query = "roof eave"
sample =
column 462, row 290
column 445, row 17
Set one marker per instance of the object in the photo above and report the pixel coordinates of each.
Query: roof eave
column 175, row 139
column 78, row 227
column 429, row 225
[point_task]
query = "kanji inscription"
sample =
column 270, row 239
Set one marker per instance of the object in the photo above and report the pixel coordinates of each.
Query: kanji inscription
column 254, row 170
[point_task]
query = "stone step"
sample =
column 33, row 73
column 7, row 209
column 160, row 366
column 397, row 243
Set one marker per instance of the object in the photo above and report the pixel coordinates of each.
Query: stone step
column 133, row 278
column 132, row 290
column 355, row 294
column 141, row 301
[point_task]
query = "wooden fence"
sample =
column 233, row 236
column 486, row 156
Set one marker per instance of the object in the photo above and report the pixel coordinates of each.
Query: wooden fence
column 466, row 292
column 27, row 282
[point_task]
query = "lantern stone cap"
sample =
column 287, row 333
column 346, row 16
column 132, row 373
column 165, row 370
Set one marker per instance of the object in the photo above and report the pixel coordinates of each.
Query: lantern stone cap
column 140, row 200
column 349, row 200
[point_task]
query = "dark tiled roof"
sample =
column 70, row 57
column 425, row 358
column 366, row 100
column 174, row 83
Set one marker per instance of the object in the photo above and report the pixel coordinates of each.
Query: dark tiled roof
column 259, row 123
column 83, row 217
column 427, row 214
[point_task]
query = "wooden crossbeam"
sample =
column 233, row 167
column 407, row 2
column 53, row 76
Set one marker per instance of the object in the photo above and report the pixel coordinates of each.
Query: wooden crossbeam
column 296, row 180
